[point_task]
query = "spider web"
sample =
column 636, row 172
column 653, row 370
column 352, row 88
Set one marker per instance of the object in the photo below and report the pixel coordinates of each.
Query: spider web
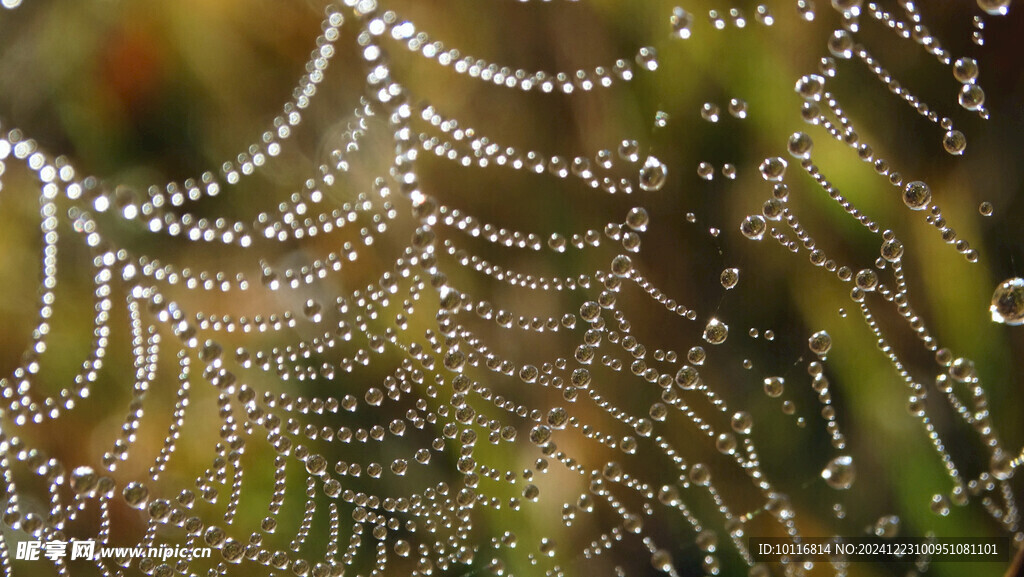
column 357, row 347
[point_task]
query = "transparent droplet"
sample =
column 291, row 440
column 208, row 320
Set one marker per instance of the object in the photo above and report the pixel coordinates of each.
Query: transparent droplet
column 940, row 505
column 742, row 422
column 971, row 97
column 700, row 475
column 954, row 142
column 806, row 9
column 811, row 87
column 962, row 370
column 622, row 265
column 136, row 495
column 540, row 434
column 840, row 472
column 917, row 195
column 892, row 250
column 820, row 343
column 647, row 57
column 1008, row 302
column 774, row 386
column 687, row 377
column 995, row 7
column 840, row 44
column 662, row 560
column 887, row 526
column 965, row 70
column 653, row 174
column 985, row 208
column 773, row 168
column 738, row 108
column 715, row 332
column 730, row 277
column 753, row 227
column 709, row 111
column 696, row 355
column 681, row 21
column 800, row 145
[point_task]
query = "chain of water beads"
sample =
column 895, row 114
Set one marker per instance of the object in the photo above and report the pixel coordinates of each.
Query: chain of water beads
column 485, row 152
column 404, row 31
column 917, row 202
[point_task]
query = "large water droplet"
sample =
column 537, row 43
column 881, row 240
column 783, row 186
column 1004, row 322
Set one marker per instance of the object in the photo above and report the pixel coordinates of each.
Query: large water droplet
column 753, row 227
column 1008, row 302
column 715, row 332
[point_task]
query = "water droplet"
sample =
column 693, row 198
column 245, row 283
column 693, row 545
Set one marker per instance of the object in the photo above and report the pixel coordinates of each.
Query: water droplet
column 647, row 57
column 706, row 171
column 995, row 7
column 540, row 434
column 887, row 526
column 985, row 208
column 661, row 119
column 696, row 355
column 653, row 174
column 971, row 97
column 661, row 560
column 1008, row 302
column 715, row 332
column 820, row 343
column 810, row 87
column 806, row 9
column 940, row 505
column 730, row 277
column 774, row 386
column 892, row 250
column 840, row 44
column 709, row 111
column 700, row 475
column 773, row 168
column 681, row 21
column 738, row 108
column 917, row 195
column 965, row 70
column 622, row 265
column 687, row 378
column 962, row 370
column 800, row 145
column 840, row 472
column 742, row 422
column 954, row 142
column 753, row 227
column 136, row 495
column 316, row 465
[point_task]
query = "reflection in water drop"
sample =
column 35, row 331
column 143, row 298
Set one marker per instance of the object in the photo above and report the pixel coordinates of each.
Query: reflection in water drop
column 1008, row 302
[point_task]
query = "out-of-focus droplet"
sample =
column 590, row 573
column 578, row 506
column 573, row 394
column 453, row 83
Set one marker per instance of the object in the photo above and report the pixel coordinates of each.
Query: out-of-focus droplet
column 653, row 174
column 681, row 21
column 840, row 472
column 995, row 7
column 773, row 168
column 1007, row 305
